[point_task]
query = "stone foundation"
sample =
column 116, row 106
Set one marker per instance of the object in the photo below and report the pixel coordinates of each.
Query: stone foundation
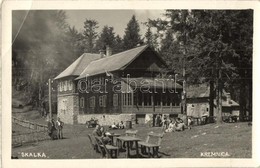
column 107, row 119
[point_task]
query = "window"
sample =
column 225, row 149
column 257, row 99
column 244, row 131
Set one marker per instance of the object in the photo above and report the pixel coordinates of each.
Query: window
column 61, row 86
column 82, row 102
column 92, row 101
column 102, row 81
column 127, row 99
column 65, row 85
column 115, row 100
column 70, row 85
column 102, row 101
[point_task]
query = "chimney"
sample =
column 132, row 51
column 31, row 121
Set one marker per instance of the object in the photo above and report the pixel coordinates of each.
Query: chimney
column 102, row 53
column 228, row 97
column 108, row 51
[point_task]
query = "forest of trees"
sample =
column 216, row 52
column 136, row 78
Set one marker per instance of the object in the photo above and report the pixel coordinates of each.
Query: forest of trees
column 203, row 46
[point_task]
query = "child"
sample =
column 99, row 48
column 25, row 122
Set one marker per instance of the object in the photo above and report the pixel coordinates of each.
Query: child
column 121, row 125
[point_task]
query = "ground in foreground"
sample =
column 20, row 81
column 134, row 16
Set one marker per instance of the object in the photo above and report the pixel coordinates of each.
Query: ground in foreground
column 234, row 140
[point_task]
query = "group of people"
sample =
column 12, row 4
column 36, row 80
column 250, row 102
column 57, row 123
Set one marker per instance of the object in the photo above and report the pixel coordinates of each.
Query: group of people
column 117, row 126
column 171, row 125
column 100, row 131
column 178, row 125
column 55, row 129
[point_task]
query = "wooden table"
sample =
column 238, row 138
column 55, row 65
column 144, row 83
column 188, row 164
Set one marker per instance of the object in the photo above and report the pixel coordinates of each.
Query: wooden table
column 128, row 140
column 111, row 136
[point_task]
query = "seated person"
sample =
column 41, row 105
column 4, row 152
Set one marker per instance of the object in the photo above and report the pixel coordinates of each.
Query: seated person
column 171, row 127
column 121, row 125
column 100, row 132
column 179, row 126
column 113, row 126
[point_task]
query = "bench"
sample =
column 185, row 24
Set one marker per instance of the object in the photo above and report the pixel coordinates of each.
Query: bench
column 151, row 146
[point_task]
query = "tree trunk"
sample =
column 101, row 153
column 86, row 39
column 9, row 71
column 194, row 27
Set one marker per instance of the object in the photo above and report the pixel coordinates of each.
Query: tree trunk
column 250, row 99
column 242, row 94
column 211, row 101
column 219, row 101
column 219, row 91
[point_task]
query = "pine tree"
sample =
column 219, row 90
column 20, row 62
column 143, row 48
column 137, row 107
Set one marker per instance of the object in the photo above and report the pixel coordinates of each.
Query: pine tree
column 90, row 34
column 107, row 37
column 216, row 45
column 132, row 37
column 151, row 38
column 118, row 47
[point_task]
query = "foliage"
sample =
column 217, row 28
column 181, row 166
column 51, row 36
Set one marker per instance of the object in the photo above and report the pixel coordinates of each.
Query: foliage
column 106, row 38
column 90, row 34
column 151, row 37
column 40, row 38
column 210, row 45
column 132, row 37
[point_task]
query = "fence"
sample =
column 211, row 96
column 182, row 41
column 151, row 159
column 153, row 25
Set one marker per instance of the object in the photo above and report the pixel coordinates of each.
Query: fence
column 38, row 132
column 20, row 139
column 29, row 125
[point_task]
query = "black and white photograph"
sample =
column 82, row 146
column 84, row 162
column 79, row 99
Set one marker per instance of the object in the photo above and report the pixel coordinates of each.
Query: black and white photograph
column 131, row 84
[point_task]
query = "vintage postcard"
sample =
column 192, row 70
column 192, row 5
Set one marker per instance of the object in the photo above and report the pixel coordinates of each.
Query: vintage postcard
column 130, row 84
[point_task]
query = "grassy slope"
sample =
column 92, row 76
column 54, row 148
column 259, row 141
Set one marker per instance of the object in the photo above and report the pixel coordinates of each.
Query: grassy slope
column 232, row 138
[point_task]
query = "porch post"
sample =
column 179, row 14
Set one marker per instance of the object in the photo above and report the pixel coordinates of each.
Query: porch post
column 143, row 101
column 152, row 99
column 132, row 101
column 171, row 102
column 127, row 99
column 161, row 102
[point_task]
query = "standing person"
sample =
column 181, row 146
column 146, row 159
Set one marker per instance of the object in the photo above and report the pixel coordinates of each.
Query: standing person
column 52, row 130
column 50, row 125
column 164, row 122
column 59, row 126
column 189, row 123
column 157, row 120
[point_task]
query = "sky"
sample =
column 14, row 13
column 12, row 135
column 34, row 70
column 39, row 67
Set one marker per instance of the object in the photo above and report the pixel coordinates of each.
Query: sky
column 115, row 18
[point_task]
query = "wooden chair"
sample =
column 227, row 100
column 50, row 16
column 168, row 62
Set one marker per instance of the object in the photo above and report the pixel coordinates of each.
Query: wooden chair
column 93, row 142
column 151, row 146
column 107, row 151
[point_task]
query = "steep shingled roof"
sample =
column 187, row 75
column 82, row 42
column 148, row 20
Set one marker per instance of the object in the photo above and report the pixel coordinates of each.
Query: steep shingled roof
column 112, row 63
column 203, row 90
column 195, row 91
column 76, row 68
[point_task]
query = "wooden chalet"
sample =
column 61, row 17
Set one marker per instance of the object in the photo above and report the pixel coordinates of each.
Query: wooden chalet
column 119, row 87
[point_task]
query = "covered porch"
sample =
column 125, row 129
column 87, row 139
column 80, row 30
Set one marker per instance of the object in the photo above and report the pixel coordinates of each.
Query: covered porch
column 150, row 96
